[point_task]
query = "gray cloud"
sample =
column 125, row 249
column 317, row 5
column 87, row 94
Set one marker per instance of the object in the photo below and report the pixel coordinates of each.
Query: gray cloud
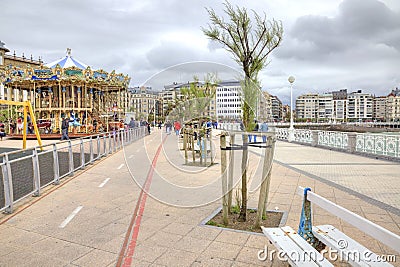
column 358, row 48
column 353, row 43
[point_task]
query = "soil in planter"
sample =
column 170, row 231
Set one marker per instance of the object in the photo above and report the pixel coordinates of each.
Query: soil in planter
column 273, row 219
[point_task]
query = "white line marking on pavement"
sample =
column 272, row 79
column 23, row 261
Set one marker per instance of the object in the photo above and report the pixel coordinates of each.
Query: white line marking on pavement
column 105, row 181
column 120, row 166
column 70, row 217
column 131, row 156
column 138, row 150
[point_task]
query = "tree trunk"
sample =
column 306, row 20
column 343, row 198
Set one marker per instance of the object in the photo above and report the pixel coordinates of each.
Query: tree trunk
column 243, row 208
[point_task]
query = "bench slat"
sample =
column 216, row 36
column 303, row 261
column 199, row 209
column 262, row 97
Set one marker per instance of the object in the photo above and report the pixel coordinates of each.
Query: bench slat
column 374, row 230
column 298, row 251
column 348, row 249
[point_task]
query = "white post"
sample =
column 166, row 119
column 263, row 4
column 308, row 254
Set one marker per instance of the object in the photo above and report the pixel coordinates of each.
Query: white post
column 291, row 127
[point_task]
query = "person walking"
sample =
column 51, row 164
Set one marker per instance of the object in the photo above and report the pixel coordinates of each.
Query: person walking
column 64, row 128
column 131, row 123
column 263, row 129
column 168, row 126
column 256, row 128
column 2, row 131
column 177, row 127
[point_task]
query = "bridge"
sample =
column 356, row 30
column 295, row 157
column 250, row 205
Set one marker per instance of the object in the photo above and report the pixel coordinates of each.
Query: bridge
column 128, row 199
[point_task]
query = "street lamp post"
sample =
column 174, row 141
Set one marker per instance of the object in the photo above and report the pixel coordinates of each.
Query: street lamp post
column 291, row 80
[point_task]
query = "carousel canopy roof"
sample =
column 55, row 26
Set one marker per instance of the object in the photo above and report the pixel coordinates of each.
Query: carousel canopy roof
column 67, row 62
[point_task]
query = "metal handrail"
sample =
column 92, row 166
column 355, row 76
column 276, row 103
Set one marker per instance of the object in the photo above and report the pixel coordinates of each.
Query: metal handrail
column 90, row 149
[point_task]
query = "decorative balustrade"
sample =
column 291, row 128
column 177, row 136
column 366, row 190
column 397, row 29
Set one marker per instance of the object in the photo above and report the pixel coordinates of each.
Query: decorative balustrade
column 384, row 145
column 303, row 136
column 333, row 139
column 378, row 144
column 282, row 133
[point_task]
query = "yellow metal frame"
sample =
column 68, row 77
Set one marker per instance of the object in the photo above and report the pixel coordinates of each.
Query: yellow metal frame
column 27, row 108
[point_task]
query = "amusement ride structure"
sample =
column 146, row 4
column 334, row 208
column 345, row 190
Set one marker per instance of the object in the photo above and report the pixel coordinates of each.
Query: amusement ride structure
column 67, row 87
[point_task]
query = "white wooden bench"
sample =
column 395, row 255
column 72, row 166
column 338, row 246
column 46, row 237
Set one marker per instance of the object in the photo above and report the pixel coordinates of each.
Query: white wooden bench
column 297, row 250
column 300, row 253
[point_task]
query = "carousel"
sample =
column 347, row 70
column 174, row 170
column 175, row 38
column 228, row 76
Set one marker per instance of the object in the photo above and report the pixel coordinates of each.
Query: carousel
column 91, row 99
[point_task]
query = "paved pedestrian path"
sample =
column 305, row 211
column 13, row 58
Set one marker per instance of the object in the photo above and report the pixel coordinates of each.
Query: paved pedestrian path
column 91, row 217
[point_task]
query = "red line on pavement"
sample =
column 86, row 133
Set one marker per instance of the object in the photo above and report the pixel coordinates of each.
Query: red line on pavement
column 127, row 250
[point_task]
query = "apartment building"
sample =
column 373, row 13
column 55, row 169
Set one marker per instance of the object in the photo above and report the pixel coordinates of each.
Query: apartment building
column 379, row 108
column 286, row 113
column 336, row 106
column 339, row 105
column 228, row 99
column 174, row 93
column 325, row 107
column 339, row 110
column 265, row 107
column 307, row 106
column 393, row 106
column 359, row 106
column 276, row 108
column 145, row 103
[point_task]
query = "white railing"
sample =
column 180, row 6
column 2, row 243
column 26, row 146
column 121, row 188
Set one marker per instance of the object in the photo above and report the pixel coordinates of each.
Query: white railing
column 385, row 145
column 333, row 139
column 371, row 144
column 379, row 144
column 303, row 136
column 282, row 133
column 229, row 126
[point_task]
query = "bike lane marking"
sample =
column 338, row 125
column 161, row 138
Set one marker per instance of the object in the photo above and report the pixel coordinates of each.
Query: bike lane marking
column 129, row 245
column 70, row 217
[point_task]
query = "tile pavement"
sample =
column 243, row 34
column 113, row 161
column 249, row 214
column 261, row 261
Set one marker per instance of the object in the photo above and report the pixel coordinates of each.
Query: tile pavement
column 173, row 236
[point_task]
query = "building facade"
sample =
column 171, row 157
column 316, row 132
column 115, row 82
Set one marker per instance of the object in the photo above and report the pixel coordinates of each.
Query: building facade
column 379, row 108
column 145, row 103
column 393, row 106
column 276, row 109
column 359, row 106
column 228, row 100
column 307, row 107
column 265, row 107
column 196, row 99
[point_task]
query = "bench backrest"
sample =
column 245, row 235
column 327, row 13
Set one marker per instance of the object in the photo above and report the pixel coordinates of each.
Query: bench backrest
column 376, row 231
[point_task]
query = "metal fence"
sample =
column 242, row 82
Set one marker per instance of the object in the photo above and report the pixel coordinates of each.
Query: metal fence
column 25, row 172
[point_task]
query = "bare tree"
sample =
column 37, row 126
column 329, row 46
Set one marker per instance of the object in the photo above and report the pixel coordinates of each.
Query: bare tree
column 250, row 40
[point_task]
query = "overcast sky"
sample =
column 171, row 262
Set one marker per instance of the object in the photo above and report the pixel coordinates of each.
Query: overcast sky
column 328, row 45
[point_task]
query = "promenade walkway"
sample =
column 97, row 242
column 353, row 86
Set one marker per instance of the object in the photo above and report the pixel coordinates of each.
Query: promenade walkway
column 91, row 217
